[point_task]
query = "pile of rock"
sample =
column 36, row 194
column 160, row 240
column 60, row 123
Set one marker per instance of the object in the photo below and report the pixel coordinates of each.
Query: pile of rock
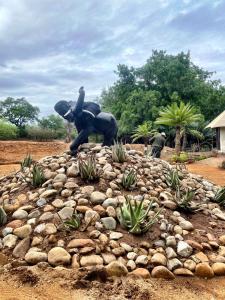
column 35, row 233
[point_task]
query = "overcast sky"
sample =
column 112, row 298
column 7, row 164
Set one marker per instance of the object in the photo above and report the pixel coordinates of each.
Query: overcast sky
column 49, row 48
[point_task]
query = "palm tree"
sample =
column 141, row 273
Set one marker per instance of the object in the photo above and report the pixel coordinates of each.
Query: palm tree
column 178, row 117
column 144, row 131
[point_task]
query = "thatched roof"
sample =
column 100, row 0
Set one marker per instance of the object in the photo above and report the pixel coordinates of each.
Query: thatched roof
column 219, row 121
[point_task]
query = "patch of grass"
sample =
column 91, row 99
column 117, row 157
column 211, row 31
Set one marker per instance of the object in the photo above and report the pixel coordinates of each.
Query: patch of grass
column 135, row 218
column 88, row 168
column 129, row 179
column 119, row 153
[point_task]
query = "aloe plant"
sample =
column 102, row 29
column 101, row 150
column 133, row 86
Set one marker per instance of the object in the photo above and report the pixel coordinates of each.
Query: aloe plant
column 173, row 179
column 183, row 200
column 129, row 179
column 37, row 176
column 118, row 153
column 27, row 162
column 88, row 168
column 3, row 215
column 220, row 196
column 135, row 217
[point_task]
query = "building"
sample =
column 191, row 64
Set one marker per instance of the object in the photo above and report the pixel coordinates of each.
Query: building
column 219, row 124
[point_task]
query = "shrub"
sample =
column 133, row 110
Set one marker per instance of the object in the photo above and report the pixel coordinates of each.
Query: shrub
column 41, row 134
column 7, row 131
column 135, row 217
column 118, row 153
column 88, row 168
column 129, row 179
column 180, row 158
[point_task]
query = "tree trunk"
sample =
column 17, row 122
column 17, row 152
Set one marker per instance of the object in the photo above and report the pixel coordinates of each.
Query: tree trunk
column 177, row 140
column 184, row 145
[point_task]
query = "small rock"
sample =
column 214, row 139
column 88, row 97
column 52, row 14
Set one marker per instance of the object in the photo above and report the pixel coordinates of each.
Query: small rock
column 222, row 240
column 97, row 197
column 142, row 260
column 116, row 269
column 174, row 264
column 162, row 272
column 109, row 223
column 158, row 259
column 115, row 235
column 80, row 243
column 218, row 269
column 190, row 264
column 20, row 214
column 171, row 241
column 183, row 272
column 10, row 241
column 34, row 257
column 204, row 270
column 131, row 265
column 21, row 248
column 91, row 260
column 91, row 217
column 184, row 249
column 66, row 213
column 48, row 193
column 186, row 225
column 41, row 202
column 141, row 272
column 23, row 231
column 58, row 256
column 108, row 258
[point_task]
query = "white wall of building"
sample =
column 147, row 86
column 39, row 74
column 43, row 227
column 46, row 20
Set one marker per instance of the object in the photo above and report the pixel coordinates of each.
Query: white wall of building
column 222, row 139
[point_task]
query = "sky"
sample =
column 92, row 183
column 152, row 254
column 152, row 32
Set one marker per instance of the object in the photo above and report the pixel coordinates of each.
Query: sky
column 49, row 48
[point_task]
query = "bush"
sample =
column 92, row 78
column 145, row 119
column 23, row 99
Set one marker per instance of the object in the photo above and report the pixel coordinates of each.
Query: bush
column 7, row 131
column 41, row 134
column 181, row 158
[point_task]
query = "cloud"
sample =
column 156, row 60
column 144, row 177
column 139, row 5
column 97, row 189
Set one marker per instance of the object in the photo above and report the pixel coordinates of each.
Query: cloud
column 50, row 48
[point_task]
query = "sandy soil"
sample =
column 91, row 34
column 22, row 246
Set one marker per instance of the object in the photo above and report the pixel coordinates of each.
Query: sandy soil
column 50, row 287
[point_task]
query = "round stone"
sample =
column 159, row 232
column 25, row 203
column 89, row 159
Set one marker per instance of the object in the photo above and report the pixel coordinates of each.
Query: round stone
column 58, row 256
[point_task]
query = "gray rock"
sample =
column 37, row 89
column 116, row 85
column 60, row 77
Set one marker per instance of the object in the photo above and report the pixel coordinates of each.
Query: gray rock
column 41, row 202
column 46, row 216
column 97, row 197
column 170, row 252
column 39, row 228
column 184, row 249
column 110, row 202
column 174, row 263
column 91, row 217
column 6, row 231
column 48, row 193
column 171, row 241
column 60, row 178
column 109, row 223
column 108, row 258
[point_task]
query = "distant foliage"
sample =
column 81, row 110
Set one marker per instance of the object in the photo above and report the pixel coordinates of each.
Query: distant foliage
column 7, row 131
column 40, row 134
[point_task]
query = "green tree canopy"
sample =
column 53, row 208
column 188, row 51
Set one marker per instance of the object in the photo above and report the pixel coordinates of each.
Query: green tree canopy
column 52, row 122
column 18, row 111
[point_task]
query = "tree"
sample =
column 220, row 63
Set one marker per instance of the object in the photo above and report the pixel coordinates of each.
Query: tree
column 178, row 117
column 18, row 111
column 144, row 131
column 52, row 122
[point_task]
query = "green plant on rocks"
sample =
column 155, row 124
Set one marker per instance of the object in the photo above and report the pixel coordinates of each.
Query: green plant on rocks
column 173, row 179
column 88, row 168
column 73, row 222
column 26, row 162
column 135, row 217
column 3, row 215
column 183, row 200
column 37, row 176
column 220, row 196
column 119, row 153
column 129, row 179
